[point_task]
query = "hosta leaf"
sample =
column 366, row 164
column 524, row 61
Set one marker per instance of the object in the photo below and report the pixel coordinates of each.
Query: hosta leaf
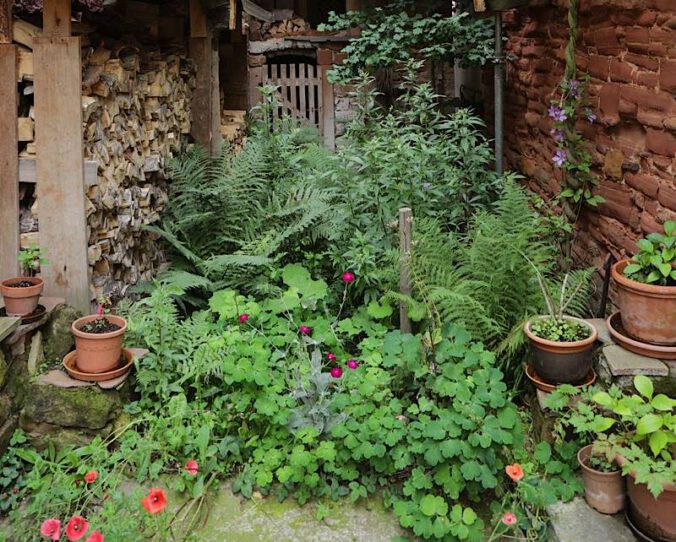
column 648, row 424
column 657, row 442
column 644, row 386
column 662, row 402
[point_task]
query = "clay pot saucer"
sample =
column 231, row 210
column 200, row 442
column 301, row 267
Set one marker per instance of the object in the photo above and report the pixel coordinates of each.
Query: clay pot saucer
column 34, row 316
column 546, row 387
column 70, row 364
column 620, row 336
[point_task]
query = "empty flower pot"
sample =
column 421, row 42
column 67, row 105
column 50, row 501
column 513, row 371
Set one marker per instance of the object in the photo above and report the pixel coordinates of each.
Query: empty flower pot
column 21, row 300
column 98, row 352
column 603, row 491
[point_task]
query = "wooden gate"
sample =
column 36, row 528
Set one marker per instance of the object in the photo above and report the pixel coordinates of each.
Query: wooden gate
column 299, row 90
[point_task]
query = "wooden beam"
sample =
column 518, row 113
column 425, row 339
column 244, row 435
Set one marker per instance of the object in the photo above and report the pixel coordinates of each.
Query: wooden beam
column 6, row 21
column 205, row 98
column 60, row 168
column 9, row 164
column 24, row 33
column 56, row 16
column 27, row 171
column 199, row 27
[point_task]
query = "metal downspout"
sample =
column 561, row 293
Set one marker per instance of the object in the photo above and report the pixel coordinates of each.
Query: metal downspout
column 499, row 77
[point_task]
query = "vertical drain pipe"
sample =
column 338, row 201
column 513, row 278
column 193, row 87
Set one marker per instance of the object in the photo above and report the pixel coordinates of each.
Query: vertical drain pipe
column 499, row 76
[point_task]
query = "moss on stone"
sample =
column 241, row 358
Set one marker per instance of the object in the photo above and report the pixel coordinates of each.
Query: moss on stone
column 57, row 337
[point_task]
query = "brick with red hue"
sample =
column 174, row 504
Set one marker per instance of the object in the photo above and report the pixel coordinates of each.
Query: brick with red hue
column 650, row 117
column 647, row 79
column 324, row 57
column 599, row 66
column 647, row 98
column 609, row 102
column 619, row 203
column 642, row 61
column 647, row 184
column 667, row 194
column 637, row 35
column 670, row 123
column 606, row 41
column 664, row 36
column 661, row 142
column 621, row 72
column 647, row 18
column 668, row 75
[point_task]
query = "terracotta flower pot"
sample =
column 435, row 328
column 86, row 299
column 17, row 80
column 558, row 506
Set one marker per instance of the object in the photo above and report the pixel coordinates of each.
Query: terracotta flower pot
column 648, row 312
column 655, row 517
column 98, row 352
column 21, row 301
column 562, row 362
column 603, row 491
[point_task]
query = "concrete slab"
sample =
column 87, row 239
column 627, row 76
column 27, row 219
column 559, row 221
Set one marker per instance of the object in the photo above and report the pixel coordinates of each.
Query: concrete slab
column 265, row 520
column 602, row 328
column 621, row 362
column 575, row 521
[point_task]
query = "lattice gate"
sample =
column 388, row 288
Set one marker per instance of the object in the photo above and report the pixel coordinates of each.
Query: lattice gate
column 299, row 90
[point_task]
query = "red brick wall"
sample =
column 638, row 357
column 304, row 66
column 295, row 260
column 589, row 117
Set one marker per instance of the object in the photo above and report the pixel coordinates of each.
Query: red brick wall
column 628, row 47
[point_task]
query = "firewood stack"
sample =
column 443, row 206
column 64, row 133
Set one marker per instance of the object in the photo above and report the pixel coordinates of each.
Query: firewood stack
column 136, row 115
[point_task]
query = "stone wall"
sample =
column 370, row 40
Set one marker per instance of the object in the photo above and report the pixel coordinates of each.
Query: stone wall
column 628, row 47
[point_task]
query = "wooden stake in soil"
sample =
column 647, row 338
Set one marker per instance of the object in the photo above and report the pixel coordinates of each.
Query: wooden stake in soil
column 405, row 235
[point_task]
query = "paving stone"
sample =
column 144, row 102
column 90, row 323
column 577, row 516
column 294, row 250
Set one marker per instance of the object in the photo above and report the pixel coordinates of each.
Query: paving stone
column 575, row 521
column 62, row 380
column 36, row 355
column 602, row 328
column 621, row 362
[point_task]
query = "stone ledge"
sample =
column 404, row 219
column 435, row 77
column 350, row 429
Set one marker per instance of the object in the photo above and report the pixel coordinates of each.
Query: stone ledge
column 621, row 362
column 575, row 521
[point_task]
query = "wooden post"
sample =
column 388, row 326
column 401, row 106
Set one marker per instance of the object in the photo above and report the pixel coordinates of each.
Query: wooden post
column 56, row 18
column 9, row 151
column 328, row 109
column 352, row 5
column 206, row 116
column 405, row 236
column 60, row 160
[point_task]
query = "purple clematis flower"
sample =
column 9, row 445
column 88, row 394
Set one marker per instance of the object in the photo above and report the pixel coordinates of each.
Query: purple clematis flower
column 557, row 134
column 591, row 116
column 560, row 157
column 574, row 87
column 558, row 114
column 426, row 186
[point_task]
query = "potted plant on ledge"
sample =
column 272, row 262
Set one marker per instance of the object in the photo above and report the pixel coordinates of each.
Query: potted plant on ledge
column 561, row 345
column 98, row 341
column 646, row 287
column 21, row 294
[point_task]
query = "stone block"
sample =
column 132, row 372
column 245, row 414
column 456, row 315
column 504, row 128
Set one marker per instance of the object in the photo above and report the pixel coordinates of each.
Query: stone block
column 40, row 435
column 621, row 362
column 661, row 143
column 3, row 369
column 88, row 408
column 5, row 408
column 576, row 521
column 602, row 328
column 6, row 431
column 58, row 340
column 36, row 356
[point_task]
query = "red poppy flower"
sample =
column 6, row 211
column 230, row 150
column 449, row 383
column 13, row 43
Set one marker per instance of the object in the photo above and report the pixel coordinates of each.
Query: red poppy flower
column 508, row 518
column 336, row 372
column 91, row 476
column 51, row 528
column 76, row 528
column 515, row 472
column 191, row 467
column 155, row 501
column 348, row 277
column 96, row 536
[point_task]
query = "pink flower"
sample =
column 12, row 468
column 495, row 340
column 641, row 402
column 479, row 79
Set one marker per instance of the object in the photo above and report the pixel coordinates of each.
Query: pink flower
column 348, row 277
column 243, row 318
column 76, row 528
column 305, row 330
column 91, row 476
column 336, row 372
column 352, row 364
column 51, row 528
column 99, row 309
column 191, row 467
column 508, row 518
column 331, row 356
column 96, row 536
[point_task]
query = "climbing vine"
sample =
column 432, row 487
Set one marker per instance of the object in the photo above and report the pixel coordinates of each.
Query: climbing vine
column 569, row 103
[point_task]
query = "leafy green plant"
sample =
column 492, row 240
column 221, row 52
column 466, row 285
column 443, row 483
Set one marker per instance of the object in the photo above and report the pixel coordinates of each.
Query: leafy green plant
column 560, row 330
column 12, row 473
column 655, row 262
column 31, row 259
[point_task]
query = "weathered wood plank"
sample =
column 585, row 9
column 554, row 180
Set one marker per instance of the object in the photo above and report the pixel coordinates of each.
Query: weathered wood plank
column 199, row 27
column 328, row 123
column 205, row 99
column 56, row 18
column 60, row 168
column 7, row 326
column 6, row 21
column 27, row 171
column 9, row 164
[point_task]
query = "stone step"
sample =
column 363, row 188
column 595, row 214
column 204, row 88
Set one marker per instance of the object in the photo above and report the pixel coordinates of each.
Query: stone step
column 576, row 521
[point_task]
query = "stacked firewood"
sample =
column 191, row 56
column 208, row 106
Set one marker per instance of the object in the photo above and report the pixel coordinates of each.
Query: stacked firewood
column 287, row 27
column 136, row 116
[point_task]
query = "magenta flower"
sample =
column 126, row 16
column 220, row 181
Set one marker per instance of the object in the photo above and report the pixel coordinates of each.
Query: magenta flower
column 99, row 310
column 352, row 364
column 331, row 356
column 305, row 330
column 348, row 277
column 508, row 518
column 558, row 114
column 243, row 318
column 560, row 157
column 336, row 372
